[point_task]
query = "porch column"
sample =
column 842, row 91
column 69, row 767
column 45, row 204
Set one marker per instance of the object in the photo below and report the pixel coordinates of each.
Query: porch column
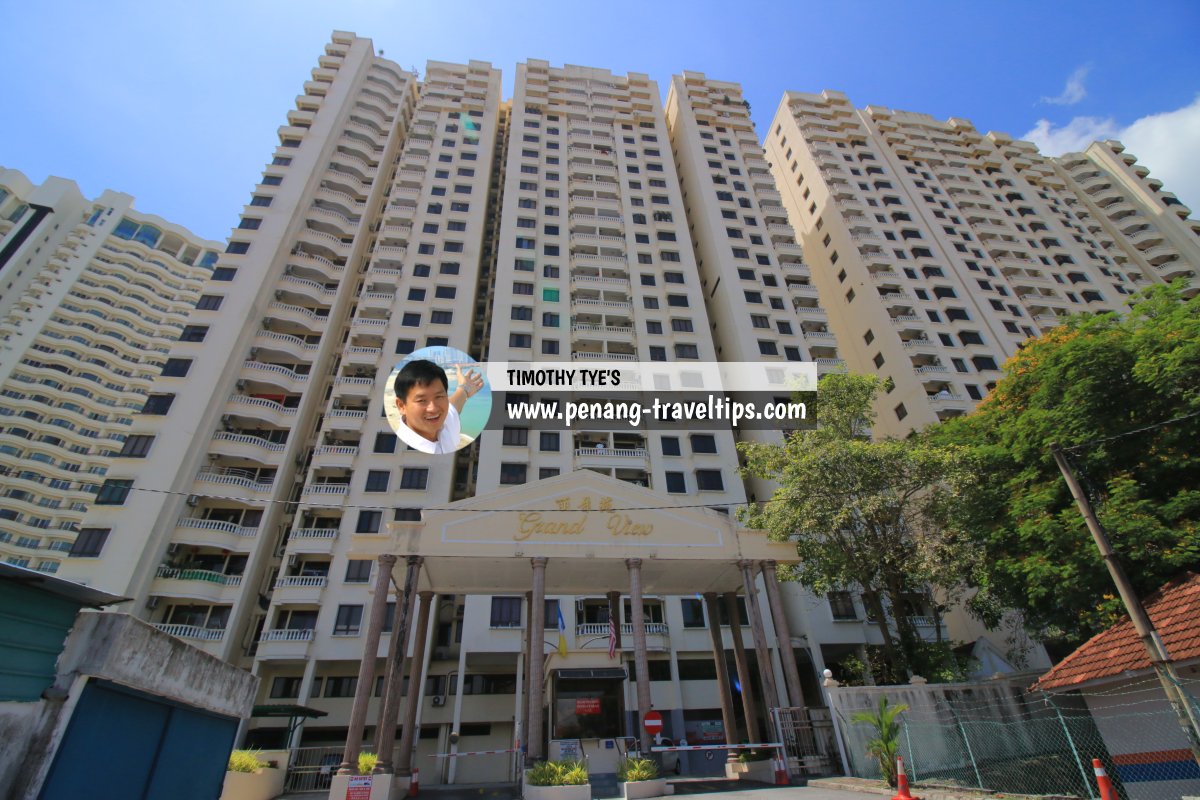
column 524, row 714
column 385, row 730
column 783, row 634
column 718, row 648
column 416, row 688
column 641, row 663
column 537, row 660
column 614, row 613
column 366, row 668
column 743, row 667
column 771, row 694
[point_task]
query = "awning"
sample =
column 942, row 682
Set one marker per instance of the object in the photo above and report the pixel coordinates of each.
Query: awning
column 295, row 714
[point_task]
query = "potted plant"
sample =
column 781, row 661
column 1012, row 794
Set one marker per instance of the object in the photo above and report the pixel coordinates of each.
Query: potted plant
column 886, row 743
column 639, row 778
column 248, row 777
column 752, row 765
column 557, row 780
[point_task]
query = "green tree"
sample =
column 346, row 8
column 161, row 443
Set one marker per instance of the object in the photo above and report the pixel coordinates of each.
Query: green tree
column 874, row 515
column 1083, row 385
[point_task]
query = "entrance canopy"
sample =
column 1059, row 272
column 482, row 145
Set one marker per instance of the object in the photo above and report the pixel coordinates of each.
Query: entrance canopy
column 587, row 525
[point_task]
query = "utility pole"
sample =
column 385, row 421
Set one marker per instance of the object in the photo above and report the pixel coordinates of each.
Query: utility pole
column 1160, row 659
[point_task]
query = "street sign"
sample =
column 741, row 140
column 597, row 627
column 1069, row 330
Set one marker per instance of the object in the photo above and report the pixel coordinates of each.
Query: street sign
column 653, row 722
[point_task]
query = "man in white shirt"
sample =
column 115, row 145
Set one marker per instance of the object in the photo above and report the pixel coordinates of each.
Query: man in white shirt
column 429, row 415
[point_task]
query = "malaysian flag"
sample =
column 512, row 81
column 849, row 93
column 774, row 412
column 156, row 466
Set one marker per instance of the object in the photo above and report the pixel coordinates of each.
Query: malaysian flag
column 612, row 637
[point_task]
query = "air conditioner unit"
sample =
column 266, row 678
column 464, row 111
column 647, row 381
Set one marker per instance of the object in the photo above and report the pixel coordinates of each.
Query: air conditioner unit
column 241, row 384
column 438, row 701
column 193, row 500
column 152, row 602
column 278, row 294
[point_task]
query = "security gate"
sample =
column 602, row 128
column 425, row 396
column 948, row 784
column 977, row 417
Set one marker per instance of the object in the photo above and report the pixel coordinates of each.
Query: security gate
column 809, row 739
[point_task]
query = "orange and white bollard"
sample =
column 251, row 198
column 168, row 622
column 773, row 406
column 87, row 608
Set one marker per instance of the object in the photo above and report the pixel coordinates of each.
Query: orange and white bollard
column 781, row 771
column 1107, row 791
column 414, row 785
column 902, row 792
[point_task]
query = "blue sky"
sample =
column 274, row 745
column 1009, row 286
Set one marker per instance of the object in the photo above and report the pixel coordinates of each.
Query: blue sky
column 177, row 104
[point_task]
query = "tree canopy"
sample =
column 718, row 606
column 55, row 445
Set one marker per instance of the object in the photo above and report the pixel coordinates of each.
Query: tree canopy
column 868, row 514
column 1099, row 386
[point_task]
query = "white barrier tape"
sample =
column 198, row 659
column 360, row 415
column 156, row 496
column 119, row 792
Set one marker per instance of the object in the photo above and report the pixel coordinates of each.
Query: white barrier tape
column 473, row 753
column 716, row 747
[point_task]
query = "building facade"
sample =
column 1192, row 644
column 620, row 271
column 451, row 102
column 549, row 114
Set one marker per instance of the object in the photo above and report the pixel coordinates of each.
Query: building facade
column 938, row 249
column 580, row 222
column 91, row 292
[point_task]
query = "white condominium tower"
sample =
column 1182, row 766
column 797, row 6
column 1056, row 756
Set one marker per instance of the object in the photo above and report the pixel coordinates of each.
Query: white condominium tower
column 92, row 293
column 937, row 249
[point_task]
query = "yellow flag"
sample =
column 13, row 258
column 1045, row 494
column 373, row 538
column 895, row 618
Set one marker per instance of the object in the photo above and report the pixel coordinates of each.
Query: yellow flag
column 562, row 635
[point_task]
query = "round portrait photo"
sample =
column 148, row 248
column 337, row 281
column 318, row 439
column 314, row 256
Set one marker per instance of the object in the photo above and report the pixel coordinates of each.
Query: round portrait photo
column 437, row 400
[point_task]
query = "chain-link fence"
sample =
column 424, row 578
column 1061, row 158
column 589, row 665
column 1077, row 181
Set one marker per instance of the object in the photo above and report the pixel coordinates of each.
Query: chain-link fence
column 1003, row 740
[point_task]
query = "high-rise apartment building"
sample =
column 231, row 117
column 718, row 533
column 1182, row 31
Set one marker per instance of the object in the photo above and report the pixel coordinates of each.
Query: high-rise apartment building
column 937, row 249
column 91, row 292
column 578, row 222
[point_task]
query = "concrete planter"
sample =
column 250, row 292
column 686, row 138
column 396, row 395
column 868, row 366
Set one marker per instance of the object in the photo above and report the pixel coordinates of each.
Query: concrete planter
column 636, row 790
column 583, row 792
column 761, row 771
column 264, row 784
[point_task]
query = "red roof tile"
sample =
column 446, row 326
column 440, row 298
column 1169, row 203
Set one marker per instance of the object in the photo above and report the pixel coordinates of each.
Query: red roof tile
column 1175, row 611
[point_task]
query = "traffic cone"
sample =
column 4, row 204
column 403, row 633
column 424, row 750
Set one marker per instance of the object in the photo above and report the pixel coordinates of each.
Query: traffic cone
column 1107, row 792
column 414, row 785
column 902, row 792
column 781, row 772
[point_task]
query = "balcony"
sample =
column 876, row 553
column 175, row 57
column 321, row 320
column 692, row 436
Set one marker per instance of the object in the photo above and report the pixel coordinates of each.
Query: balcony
column 197, row 584
column 318, row 541
column 329, row 490
column 298, row 588
column 261, row 409
column 275, row 375
column 241, row 445
column 284, row 643
column 244, row 479
column 349, row 419
column 194, row 632
column 583, row 356
column 214, row 533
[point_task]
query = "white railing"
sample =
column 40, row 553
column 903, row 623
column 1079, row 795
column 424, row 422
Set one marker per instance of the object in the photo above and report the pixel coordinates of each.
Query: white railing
column 287, row 635
column 242, row 438
column 232, row 479
column 315, row 533
column 191, row 631
column 601, row 629
column 259, row 402
column 335, row 450
column 287, row 339
column 327, row 488
column 347, row 413
column 285, row 581
column 216, row 525
column 615, row 452
column 602, row 357
column 274, row 368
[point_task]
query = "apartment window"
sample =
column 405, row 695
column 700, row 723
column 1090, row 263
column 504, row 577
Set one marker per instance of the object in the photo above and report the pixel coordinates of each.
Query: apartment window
column 414, row 478
column 681, row 325
column 520, row 340
column 658, row 353
column 550, row 347
column 405, row 346
column 193, row 333
column 506, row 612
column 158, row 404
column 984, row 362
column 342, row 686
column 176, row 367
column 406, row 514
column 385, row 443
column 377, row 480
column 136, row 446
column 878, row 361
column 677, row 300
column 113, row 492
column 710, row 480
column 549, row 442
column 348, row 620
column 767, row 347
column 209, row 302
column 653, row 326
column 547, row 472
column 650, row 303
column 703, row 443
column 687, row 351
column 238, row 248
column 693, row 612
column 901, row 411
column 516, row 437
column 841, row 604
column 441, row 317
column 368, row 522
column 224, row 273
column 285, row 687
column 522, row 313
column 670, row 446
column 675, row 483
column 358, row 570
column 411, row 319
column 512, row 474
column 89, row 542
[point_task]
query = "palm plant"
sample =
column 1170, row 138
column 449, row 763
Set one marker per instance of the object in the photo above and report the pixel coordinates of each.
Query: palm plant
column 886, row 743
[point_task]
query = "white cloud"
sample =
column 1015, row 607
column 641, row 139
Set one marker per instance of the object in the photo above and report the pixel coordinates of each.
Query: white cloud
column 1167, row 144
column 1074, row 91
